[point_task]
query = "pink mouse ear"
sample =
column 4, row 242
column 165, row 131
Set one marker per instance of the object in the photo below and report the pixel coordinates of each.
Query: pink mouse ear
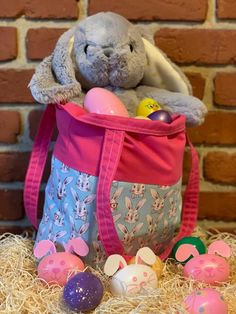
column 44, row 247
column 185, row 251
column 219, row 247
column 77, row 245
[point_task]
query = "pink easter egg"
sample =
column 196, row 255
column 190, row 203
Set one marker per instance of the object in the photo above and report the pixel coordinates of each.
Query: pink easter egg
column 208, row 268
column 56, row 268
column 102, row 101
column 205, row 301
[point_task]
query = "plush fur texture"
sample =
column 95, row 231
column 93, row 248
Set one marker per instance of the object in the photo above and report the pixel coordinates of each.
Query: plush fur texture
column 107, row 50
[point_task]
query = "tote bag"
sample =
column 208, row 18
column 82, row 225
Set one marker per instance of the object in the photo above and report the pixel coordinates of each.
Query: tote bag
column 115, row 181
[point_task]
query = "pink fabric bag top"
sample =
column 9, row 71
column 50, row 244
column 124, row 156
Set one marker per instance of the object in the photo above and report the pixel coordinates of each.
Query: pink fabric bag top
column 114, row 148
column 152, row 151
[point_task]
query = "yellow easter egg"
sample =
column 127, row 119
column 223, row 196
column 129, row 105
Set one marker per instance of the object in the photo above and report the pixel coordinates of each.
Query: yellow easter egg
column 157, row 266
column 142, row 117
column 147, row 106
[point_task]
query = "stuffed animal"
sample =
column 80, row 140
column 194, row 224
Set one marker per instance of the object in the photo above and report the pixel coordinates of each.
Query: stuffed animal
column 106, row 50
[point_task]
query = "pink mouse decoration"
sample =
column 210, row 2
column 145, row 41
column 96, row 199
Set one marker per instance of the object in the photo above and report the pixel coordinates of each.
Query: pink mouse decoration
column 209, row 268
column 205, row 301
column 57, row 268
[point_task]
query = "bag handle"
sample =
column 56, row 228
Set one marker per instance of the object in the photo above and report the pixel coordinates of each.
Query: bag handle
column 111, row 152
column 37, row 163
column 112, row 148
column 190, row 202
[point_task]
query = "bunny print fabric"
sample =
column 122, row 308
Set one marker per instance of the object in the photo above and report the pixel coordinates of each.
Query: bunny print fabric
column 144, row 215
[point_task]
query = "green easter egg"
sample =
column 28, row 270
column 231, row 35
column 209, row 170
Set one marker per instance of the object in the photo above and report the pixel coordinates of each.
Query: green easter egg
column 199, row 245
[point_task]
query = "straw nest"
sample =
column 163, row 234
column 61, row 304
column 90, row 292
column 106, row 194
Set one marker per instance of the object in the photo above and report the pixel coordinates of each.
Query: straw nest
column 22, row 292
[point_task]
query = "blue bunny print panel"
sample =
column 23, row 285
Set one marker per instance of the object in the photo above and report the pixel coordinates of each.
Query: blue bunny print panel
column 144, row 215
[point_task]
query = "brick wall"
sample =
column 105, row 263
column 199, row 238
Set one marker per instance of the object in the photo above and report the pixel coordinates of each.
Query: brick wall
column 199, row 35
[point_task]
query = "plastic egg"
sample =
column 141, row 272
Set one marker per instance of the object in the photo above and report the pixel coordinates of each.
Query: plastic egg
column 161, row 115
column 142, row 118
column 157, row 266
column 205, row 301
column 83, row 292
column 133, row 279
column 147, row 106
column 57, row 267
column 196, row 242
column 102, row 101
column 208, row 268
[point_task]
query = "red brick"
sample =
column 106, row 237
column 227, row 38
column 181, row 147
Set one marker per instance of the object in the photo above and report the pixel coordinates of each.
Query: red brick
column 34, row 119
column 13, row 166
column 220, row 167
column 41, row 41
column 53, row 9
column 13, row 86
column 198, row 46
column 198, row 84
column 10, row 9
column 11, row 205
column 194, row 10
column 8, row 43
column 218, row 129
column 10, row 125
column 217, row 206
column 186, row 166
column 226, row 9
column 225, row 92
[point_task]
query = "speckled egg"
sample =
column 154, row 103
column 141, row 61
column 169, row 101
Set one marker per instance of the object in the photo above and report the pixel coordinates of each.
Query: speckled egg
column 83, row 292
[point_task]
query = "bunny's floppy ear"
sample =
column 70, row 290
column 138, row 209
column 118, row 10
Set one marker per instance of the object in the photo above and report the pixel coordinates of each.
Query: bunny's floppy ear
column 113, row 263
column 54, row 79
column 162, row 73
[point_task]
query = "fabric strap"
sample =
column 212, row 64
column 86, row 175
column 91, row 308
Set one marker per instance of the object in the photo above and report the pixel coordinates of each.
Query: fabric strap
column 112, row 149
column 190, row 202
column 37, row 163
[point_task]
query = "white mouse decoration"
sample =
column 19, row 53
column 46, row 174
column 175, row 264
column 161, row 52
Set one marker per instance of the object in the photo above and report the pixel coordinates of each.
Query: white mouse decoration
column 129, row 280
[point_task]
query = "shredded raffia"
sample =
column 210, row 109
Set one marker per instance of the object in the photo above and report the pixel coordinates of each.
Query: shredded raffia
column 21, row 292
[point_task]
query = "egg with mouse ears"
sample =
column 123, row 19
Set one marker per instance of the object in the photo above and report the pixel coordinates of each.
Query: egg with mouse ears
column 57, row 267
column 129, row 280
column 209, row 268
column 206, row 300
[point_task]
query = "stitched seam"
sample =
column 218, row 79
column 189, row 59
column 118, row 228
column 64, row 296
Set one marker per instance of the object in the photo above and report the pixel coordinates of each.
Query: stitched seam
column 33, row 185
column 105, row 175
column 138, row 129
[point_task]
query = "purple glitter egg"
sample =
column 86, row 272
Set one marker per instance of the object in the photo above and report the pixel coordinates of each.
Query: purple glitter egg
column 83, row 292
column 161, row 115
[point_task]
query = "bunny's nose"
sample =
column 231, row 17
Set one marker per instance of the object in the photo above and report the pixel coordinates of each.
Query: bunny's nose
column 107, row 52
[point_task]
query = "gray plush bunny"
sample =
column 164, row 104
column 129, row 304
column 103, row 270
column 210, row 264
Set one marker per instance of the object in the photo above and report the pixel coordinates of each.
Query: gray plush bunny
column 107, row 50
